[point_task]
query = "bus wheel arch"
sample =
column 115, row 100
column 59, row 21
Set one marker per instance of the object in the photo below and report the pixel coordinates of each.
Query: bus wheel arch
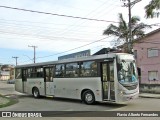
column 35, row 92
column 88, row 96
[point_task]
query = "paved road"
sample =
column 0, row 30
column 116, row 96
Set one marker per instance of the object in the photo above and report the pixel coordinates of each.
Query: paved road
column 7, row 88
column 28, row 103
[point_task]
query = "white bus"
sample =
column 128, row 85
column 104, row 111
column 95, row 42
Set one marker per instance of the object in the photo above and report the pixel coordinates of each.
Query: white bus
column 108, row 77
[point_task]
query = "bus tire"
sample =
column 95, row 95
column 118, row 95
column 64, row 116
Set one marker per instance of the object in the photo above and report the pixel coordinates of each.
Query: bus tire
column 88, row 97
column 36, row 92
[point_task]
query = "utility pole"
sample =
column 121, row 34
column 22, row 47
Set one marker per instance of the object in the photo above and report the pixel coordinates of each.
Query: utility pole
column 34, row 47
column 130, row 4
column 130, row 27
column 16, row 59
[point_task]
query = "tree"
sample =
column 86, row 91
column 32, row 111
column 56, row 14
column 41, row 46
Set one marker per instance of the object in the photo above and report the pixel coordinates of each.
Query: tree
column 152, row 9
column 122, row 30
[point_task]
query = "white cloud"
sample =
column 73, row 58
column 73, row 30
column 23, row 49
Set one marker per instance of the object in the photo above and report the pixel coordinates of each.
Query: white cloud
column 18, row 29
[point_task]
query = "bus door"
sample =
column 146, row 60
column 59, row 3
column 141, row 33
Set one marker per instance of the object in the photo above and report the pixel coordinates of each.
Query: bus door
column 48, row 79
column 24, row 80
column 107, row 76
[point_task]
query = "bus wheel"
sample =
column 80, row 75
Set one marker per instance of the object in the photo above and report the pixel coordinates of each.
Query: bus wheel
column 88, row 97
column 36, row 92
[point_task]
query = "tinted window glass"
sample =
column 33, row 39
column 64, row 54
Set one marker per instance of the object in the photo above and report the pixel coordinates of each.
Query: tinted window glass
column 35, row 72
column 72, row 70
column 18, row 74
column 49, row 74
column 39, row 72
column 89, row 68
column 59, row 72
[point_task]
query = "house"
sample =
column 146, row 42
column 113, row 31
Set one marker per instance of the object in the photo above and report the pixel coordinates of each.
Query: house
column 4, row 75
column 147, row 54
column 107, row 50
column 6, row 72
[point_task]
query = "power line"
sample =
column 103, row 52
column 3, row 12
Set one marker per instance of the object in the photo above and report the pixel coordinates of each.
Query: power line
column 18, row 22
column 69, row 49
column 71, row 33
column 57, row 14
column 51, row 38
column 74, row 48
column 54, row 30
column 104, row 12
column 61, row 15
column 74, row 31
column 35, row 29
column 31, row 32
column 93, row 11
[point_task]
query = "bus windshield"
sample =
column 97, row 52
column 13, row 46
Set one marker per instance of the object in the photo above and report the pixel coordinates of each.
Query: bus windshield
column 127, row 73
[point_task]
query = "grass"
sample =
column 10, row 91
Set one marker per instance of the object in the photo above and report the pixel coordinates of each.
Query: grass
column 11, row 101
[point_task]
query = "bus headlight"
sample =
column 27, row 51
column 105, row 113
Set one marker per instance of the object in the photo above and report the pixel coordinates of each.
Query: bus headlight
column 122, row 92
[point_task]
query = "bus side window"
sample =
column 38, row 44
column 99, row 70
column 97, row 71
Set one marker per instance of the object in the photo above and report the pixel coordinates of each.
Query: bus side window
column 29, row 73
column 18, row 74
column 89, row 68
column 39, row 72
column 72, row 70
column 51, row 74
column 59, row 71
column 47, row 74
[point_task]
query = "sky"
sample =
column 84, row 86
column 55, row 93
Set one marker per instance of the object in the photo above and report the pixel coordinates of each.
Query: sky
column 55, row 36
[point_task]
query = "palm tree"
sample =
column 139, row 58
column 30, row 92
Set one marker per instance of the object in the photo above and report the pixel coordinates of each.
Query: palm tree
column 152, row 9
column 122, row 30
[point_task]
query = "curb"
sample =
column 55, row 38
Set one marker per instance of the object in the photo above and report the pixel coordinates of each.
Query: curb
column 148, row 96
